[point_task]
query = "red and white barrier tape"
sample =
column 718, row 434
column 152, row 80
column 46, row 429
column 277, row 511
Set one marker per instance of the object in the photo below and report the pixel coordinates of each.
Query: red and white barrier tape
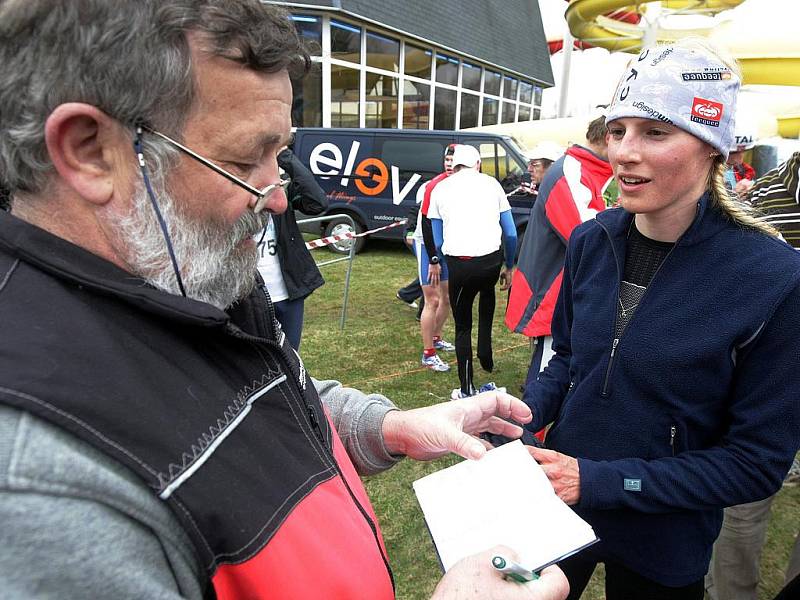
column 349, row 236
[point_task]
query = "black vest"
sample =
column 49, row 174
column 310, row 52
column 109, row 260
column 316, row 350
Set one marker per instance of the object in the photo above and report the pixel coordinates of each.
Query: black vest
column 207, row 407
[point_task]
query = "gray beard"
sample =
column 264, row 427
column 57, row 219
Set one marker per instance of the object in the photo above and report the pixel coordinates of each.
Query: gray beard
column 214, row 266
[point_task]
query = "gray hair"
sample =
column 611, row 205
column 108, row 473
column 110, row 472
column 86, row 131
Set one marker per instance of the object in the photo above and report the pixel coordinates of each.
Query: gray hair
column 129, row 58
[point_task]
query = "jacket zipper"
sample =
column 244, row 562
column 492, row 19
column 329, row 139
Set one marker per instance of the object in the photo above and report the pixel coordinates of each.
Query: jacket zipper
column 312, row 417
column 315, row 426
column 616, row 340
column 672, row 431
column 614, row 345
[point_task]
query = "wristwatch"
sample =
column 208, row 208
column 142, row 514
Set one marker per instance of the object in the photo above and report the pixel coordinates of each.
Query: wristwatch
column 434, row 260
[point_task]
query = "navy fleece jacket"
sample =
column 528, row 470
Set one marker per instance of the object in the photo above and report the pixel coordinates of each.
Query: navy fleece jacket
column 694, row 408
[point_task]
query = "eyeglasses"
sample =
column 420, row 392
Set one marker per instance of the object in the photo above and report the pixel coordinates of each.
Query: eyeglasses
column 262, row 195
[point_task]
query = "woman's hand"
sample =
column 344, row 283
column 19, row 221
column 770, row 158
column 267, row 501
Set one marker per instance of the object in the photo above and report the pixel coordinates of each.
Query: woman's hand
column 562, row 471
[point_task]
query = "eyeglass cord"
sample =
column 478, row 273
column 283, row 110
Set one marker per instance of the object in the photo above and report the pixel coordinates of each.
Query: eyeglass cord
column 263, row 234
column 137, row 146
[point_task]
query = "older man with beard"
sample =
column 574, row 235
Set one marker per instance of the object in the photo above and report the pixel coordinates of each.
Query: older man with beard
column 158, row 436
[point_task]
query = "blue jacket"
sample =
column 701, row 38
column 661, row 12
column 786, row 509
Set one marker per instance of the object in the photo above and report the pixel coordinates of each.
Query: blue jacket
column 694, row 408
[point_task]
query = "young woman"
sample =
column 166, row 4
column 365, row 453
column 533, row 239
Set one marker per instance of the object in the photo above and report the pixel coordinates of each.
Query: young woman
column 673, row 392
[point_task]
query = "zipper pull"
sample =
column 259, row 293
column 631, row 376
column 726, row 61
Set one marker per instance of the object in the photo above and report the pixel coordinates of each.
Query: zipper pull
column 312, row 417
column 672, row 431
column 614, row 344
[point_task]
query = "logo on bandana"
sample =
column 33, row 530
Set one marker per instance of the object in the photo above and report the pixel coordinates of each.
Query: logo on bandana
column 652, row 113
column 706, row 112
column 706, row 76
column 661, row 57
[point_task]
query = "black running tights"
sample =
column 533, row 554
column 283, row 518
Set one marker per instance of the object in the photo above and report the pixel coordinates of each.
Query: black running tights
column 468, row 278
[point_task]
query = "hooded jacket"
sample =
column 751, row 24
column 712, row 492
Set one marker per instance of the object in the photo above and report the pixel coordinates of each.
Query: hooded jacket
column 571, row 192
column 694, row 407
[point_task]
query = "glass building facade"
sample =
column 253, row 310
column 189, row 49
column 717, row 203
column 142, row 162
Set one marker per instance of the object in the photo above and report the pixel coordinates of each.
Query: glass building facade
column 364, row 77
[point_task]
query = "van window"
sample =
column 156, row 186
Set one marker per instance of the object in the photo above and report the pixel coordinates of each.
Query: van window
column 488, row 159
column 421, row 156
column 511, row 172
column 497, row 162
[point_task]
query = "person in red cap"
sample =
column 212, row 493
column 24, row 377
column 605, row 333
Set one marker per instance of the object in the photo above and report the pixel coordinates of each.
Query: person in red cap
column 433, row 275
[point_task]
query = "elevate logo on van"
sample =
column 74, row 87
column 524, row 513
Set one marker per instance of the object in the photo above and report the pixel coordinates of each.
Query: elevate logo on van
column 327, row 160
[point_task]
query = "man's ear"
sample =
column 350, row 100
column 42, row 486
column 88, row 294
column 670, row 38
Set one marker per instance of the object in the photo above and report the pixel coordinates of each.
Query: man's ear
column 86, row 147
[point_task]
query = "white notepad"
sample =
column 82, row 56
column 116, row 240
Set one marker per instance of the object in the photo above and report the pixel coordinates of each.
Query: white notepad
column 503, row 498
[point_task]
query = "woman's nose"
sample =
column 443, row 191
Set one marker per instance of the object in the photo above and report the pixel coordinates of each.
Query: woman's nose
column 624, row 149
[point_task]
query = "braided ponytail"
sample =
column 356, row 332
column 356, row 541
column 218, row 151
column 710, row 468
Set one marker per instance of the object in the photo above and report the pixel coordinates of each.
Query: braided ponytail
column 738, row 211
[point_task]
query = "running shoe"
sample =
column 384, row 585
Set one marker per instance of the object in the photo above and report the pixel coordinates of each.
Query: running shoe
column 456, row 394
column 411, row 304
column 491, row 387
column 434, row 363
column 443, row 345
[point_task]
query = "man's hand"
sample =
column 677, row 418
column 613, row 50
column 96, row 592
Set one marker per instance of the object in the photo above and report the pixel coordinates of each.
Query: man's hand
column 526, row 187
column 562, row 471
column 434, row 275
column 433, row 431
column 474, row 578
column 505, row 277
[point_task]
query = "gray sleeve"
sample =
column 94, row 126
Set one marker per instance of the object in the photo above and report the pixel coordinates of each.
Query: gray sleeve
column 358, row 418
column 78, row 525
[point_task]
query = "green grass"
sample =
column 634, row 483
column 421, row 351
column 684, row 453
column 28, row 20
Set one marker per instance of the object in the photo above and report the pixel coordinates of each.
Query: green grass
column 379, row 351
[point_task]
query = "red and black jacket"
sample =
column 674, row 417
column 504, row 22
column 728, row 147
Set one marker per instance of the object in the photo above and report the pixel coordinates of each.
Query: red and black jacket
column 571, row 192
column 212, row 410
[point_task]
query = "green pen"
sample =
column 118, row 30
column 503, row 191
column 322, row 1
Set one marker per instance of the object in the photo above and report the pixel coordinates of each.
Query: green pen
column 513, row 570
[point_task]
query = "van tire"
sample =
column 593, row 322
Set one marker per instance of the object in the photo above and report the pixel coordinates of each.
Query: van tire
column 341, row 226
